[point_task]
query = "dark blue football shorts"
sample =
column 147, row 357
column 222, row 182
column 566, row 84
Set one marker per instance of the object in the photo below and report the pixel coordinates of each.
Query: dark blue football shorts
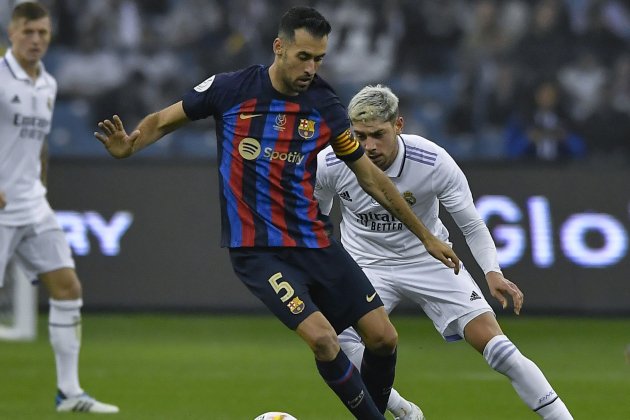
column 295, row 282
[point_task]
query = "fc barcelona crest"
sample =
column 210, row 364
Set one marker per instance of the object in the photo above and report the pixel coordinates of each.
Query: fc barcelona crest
column 306, row 129
column 296, row 306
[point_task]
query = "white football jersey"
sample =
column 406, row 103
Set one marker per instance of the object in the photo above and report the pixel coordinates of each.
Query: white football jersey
column 26, row 108
column 423, row 172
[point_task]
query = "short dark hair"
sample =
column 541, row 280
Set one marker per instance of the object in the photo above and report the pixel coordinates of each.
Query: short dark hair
column 29, row 10
column 299, row 17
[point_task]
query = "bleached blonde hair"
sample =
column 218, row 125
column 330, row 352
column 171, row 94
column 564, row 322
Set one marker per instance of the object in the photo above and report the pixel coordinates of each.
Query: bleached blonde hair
column 374, row 103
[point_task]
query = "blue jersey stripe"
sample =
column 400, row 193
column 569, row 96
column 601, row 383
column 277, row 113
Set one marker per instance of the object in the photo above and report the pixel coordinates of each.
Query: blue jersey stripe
column 308, row 147
column 263, row 186
column 231, row 205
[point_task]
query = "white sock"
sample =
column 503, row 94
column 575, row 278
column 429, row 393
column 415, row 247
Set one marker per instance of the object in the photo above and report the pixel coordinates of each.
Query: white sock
column 527, row 379
column 397, row 405
column 352, row 345
column 64, row 327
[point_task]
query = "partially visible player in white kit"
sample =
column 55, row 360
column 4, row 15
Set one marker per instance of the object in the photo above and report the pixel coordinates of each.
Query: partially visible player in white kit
column 28, row 228
column 388, row 253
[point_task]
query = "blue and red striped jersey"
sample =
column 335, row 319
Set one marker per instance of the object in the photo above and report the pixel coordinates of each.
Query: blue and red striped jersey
column 267, row 146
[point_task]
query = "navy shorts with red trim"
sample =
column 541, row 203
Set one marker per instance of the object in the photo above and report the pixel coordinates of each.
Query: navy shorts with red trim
column 295, row 282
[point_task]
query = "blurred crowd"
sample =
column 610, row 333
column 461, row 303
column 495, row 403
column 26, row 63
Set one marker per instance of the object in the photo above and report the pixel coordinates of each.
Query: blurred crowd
column 544, row 80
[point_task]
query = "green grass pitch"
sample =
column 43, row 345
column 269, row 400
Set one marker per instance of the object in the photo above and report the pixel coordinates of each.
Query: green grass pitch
column 222, row 367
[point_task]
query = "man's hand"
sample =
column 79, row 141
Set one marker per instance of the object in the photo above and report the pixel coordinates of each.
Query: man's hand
column 500, row 287
column 115, row 139
column 3, row 200
column 441, row 251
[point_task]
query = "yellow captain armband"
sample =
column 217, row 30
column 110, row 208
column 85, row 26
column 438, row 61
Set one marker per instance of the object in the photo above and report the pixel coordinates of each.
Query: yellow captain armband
column 346, row 147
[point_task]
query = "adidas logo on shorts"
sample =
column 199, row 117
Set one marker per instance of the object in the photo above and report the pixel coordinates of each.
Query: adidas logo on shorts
column 474, row 296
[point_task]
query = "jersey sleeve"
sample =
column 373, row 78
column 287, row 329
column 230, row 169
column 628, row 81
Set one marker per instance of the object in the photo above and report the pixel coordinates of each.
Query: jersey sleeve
column 478, row 238
column 345, row 146
column 324, row 191
column 200, row 101
column 450, row 184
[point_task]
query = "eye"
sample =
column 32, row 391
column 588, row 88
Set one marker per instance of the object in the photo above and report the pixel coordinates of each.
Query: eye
column 378, row 134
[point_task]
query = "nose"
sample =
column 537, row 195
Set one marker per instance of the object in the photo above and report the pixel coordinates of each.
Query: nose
column 369, row 144
column 37, row 38
column 309, row 67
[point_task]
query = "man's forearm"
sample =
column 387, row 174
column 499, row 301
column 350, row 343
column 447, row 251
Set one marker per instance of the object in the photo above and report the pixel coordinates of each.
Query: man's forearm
column 150, row 131
column 385, row 192
column 155, row 126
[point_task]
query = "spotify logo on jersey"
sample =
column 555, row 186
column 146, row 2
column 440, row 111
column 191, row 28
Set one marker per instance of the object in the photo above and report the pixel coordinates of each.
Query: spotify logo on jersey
column 249, row 148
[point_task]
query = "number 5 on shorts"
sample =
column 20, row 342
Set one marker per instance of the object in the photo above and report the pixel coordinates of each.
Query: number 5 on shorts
column 279, row 286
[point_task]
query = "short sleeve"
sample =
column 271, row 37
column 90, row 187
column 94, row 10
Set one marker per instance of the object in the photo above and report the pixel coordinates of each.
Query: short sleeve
column 346, row 147
column 200, row 101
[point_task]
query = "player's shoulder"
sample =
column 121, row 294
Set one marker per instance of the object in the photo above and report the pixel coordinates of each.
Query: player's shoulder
column 49, row 80
column 5, row 69
column 255, row 70
column 328, row 160
column 321, row 91
column 235, row 78
column 422, row 151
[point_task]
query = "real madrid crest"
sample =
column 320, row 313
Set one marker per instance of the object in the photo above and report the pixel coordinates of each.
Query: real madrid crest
column 409, row 198
column 306, row 129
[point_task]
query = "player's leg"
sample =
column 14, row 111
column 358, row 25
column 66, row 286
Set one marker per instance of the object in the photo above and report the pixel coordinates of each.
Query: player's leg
column 64, row 326
column 278, row 279
column 352, row 345
column 378, row 365
column 45, row 251
column 335, row 368
column 485, row 335
column 346, row 296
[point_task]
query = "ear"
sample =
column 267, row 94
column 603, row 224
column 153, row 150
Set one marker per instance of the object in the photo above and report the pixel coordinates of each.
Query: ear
column 278, row 48
column 399, row 124
column 11, row 29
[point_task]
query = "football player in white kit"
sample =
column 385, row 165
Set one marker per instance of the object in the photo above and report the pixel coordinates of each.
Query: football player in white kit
column 28, row 228
column 388, row 253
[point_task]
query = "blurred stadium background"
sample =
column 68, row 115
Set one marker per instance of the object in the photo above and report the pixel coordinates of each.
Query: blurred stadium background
column 532, row 98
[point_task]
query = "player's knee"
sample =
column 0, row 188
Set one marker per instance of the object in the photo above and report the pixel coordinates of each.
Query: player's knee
column 384, row 342
column 324, row 344
column 62, row 284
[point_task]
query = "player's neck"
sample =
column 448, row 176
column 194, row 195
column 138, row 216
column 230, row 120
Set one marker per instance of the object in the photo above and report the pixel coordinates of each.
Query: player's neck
column 277, row 84
column 32, row 69
column 392, row 157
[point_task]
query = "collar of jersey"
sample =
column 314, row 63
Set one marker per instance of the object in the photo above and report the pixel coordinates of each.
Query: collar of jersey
column 396, row 168
column 19, row 72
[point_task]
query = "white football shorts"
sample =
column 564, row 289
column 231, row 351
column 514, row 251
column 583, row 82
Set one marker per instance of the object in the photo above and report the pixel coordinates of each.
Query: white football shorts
column 449, row 300
column 39, row 247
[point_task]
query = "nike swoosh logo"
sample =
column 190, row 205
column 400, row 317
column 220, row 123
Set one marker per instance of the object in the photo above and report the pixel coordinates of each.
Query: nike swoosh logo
column 248, row 116
column 370, row 298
